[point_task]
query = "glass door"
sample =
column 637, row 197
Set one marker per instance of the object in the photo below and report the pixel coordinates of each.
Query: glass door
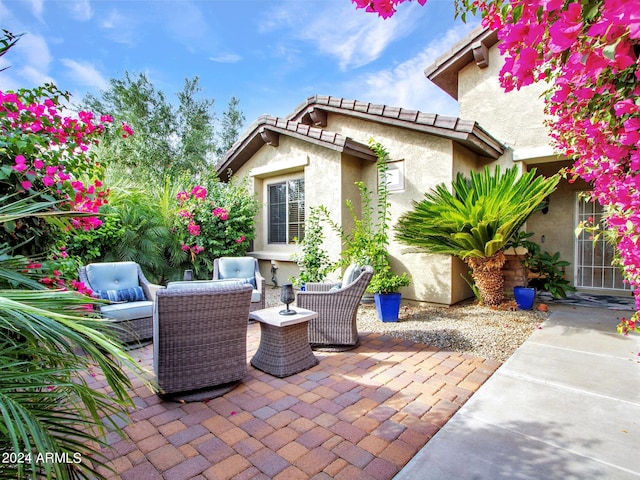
column 593, row 259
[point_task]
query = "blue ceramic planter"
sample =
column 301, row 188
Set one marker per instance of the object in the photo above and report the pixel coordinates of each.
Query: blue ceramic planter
column 524, row 297
column 388, row 306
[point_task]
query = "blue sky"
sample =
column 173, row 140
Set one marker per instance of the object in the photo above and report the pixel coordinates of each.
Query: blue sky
column 270, row 54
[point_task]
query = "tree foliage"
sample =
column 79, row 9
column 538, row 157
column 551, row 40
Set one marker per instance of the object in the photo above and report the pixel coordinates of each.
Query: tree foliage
column 168, row 142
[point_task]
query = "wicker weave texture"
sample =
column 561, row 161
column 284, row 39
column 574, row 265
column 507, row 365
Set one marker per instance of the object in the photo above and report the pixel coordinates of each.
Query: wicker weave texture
column 284, row 351
column 137, row 329
column 335, row 325
column 200, row 337
column 260, row 284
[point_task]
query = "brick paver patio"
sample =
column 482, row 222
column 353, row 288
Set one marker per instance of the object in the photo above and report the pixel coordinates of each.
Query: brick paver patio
column 358, row 414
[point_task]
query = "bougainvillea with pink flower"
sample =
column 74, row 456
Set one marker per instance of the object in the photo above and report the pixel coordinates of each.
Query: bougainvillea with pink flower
column 588, row 53
column 46, row 159
column 214, row 221
column 45, row 156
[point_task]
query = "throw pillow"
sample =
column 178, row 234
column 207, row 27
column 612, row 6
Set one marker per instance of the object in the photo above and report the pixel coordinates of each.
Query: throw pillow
column 352, row 272
column 134, row 294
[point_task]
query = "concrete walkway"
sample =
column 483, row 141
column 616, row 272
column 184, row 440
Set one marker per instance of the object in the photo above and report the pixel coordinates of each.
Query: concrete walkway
column 566, row 405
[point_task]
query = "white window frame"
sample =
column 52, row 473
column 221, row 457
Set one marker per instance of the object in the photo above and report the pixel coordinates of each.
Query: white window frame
column 289, row 202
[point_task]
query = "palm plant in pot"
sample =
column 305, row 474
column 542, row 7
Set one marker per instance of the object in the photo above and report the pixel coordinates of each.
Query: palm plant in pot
column 385, row 286
column 474, row 218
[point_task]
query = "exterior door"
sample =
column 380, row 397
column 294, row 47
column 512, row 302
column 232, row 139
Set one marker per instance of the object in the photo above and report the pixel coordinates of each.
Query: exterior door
column 593, row 259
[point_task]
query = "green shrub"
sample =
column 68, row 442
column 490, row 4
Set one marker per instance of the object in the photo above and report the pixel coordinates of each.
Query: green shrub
column 214, row 221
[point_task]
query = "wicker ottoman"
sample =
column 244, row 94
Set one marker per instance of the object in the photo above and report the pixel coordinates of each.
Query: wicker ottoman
column 284, row 342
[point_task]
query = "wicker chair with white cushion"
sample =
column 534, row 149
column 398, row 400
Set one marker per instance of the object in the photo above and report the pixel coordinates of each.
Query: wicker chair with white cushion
column 244, row 269
column 200, row 338
column 335, row 329
column 131, row 294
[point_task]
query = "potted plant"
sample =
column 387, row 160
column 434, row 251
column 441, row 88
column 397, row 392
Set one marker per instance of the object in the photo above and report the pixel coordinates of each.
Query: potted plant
column 385, row 286
column 524, row 294
column 547, row 270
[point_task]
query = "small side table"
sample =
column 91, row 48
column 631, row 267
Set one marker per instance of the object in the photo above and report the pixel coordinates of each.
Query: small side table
column 284, row 342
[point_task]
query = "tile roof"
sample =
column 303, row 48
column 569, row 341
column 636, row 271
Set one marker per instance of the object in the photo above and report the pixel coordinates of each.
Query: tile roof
column 464, row 132
column 267, row 129
column 306, row 123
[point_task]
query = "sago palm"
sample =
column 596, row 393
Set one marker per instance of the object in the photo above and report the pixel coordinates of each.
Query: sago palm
column 474, row 219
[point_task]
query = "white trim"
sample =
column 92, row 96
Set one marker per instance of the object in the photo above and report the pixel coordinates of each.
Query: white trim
column 543, row 152
column 280, row 168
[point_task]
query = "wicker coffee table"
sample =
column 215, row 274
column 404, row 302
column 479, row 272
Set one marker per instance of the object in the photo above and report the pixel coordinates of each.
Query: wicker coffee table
column 284, row 342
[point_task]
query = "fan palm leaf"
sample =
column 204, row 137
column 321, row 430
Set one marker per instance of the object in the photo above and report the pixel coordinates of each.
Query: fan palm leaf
column 49, row 340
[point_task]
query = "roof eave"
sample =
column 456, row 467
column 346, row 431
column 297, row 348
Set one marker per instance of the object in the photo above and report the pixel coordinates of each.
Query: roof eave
column 467, row 133
column 255, row 138
column 444, row 70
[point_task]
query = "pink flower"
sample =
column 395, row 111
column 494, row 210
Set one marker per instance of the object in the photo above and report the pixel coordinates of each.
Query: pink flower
column 20, row 165
column 37, row 163
column 199, row 192
column 221, row 213
column 26, row 184
column 128, row 131
column 194, row 229
column 185, row 248
column 241, row 239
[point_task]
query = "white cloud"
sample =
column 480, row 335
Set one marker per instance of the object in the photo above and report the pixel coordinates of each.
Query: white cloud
column 405, row 85
column 353, row 37
column 85, row 73
column 29, row 62
column 80, row 9
column 37, row 7
column 120, row 28
column 226, row 58
column 358, row 38
column 34, row 51
column 34, row 76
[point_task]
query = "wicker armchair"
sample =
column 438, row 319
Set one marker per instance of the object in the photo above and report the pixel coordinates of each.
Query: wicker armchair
column 244, row 269
column 200, row 338
column 131, row 313
column 335, row 328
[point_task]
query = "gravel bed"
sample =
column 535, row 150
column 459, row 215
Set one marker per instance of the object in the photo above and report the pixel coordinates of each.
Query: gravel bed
column 465, row 327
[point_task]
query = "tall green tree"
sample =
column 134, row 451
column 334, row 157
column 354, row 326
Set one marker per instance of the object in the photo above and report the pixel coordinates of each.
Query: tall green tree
column 196, row 120
column 169, row 141
column 233, row 121
column 148, row 155
column 474, row 219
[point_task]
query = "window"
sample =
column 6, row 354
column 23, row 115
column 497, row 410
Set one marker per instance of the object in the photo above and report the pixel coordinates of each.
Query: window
column 286, row 211
column 395, row 176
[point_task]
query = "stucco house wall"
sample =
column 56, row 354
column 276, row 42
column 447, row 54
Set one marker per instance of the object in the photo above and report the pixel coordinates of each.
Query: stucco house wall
column 294, row 159
column 424, row 148
column 516, row 118
column 427, row 162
